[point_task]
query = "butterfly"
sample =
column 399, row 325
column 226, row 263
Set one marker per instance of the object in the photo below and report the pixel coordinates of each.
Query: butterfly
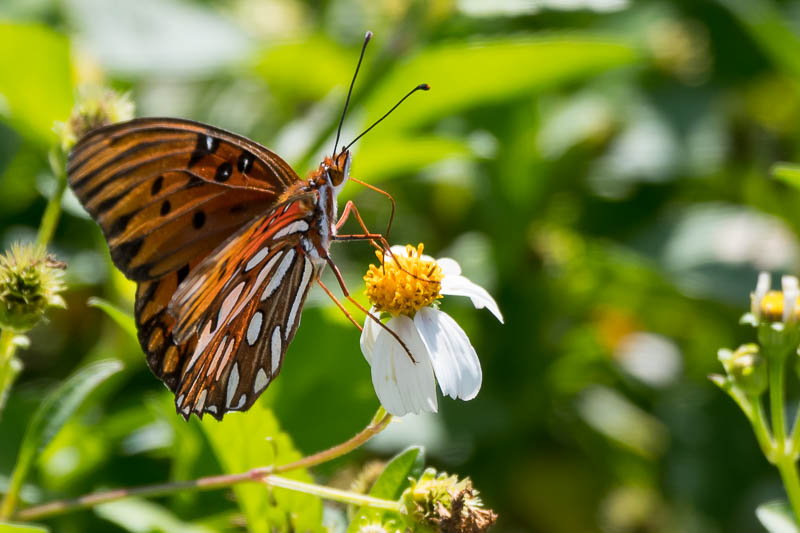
column 224, row 241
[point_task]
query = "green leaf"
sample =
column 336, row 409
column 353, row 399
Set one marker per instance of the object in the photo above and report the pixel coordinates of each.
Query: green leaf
column 777, row 517
column 123, row 319
column 501, row 69
column 247, row 440
column 36, row 86
column 51, row 416
column 6, row 527
column 787, row 173
column 389, row 486
column 141, row 516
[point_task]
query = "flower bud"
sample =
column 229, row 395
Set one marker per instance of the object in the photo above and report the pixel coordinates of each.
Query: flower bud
column 30, row 283
column 446, row 504
column 95, row 107
column 748, row 370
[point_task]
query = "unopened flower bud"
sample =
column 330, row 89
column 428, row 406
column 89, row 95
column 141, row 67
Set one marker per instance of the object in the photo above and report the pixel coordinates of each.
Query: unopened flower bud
column 95, row 107
column 748, row 370
column 30, row 283
column 446, row 504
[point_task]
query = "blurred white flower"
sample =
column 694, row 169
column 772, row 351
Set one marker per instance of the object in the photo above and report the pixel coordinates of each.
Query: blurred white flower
column 407, row 289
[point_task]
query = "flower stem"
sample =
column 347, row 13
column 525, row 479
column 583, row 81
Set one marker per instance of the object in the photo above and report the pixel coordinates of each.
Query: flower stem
column 9, row 368
column 776, row 407
column 376, row 425
column 328, row 493
column 52, row 212
column 788, row 470
column 758, row 421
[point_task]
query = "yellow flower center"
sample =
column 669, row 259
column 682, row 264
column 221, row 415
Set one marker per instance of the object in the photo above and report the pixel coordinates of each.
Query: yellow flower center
column 403, row 284
column 772, row 307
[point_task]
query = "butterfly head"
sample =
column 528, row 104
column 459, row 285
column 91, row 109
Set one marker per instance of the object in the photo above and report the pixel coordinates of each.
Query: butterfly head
column 338, row 169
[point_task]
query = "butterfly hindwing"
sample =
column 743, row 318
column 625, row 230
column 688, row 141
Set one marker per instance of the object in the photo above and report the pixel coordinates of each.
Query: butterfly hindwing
column 168, row 191
column 242, row 305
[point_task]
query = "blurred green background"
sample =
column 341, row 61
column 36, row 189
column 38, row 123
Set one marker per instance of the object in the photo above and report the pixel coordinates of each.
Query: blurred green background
column 601, row 166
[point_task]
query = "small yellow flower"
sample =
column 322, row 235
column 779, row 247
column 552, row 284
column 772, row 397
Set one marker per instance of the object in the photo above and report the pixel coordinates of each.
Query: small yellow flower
column 775, row 306
column 404, row 283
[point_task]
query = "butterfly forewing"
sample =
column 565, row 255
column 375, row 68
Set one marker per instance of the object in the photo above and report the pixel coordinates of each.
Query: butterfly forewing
column 167, row 191
column 245, row 313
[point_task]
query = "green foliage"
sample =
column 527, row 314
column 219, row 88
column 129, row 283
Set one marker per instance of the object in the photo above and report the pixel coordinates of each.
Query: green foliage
column 6, row 527
column 51, row 416
column 123, row 319
column 140, row 516
column 389, row 485
column 35, row 78
column 242, row 442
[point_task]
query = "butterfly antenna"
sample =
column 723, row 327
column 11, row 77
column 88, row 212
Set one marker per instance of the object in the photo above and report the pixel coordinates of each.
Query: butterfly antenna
column 367, row 37
column 420, row 87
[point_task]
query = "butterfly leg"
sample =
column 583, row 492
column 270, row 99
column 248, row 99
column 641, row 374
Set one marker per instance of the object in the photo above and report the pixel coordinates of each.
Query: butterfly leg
column 379, row 191
column 339, row 304
column 366, row 311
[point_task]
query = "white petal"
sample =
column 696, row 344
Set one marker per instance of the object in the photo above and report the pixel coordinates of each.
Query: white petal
column 450, row 267
column 368, row 335
column 403, row 386
column 461, row 286
column 454, row 360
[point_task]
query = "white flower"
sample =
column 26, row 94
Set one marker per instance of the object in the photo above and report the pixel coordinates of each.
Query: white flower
column 409, row 291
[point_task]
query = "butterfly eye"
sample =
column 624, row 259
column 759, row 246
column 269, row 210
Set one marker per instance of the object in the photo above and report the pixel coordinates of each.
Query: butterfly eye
column 336, row 175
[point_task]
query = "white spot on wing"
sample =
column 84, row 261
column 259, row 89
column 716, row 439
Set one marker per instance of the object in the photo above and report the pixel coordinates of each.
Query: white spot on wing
column 261, row 381
column 179, row 400
column 279, row 274
column 254, row 328
column 228, row 303
column 212, row 409
column 256, row 259
column 294, row 227
column 233, row 383
column 242, row 400
column 225, row 358
column 276, row 349
column 298, row 296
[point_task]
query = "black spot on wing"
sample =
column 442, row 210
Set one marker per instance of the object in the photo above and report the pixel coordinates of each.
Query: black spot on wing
column 224, row 172
column 206, row 144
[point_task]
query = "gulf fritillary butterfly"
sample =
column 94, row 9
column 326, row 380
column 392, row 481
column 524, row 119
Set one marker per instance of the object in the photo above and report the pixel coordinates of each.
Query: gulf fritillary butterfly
column 224, row 241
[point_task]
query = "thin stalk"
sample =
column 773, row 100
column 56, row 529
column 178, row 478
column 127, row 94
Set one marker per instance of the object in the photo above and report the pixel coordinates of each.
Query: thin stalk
column 342, row 496
column 378, row 423
column 776, row 407
column 52, row 212
column 788, row 470
column 758, row 421
column 8, row 368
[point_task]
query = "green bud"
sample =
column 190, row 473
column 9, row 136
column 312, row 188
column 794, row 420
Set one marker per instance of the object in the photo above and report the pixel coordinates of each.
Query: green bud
column 446, row 504
column 95, row 107
column 748, row 370
column 30, row 283
column 778, row 340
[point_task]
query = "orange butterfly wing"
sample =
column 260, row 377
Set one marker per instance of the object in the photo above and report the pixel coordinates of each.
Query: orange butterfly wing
column 166, row 193
column 243, row 302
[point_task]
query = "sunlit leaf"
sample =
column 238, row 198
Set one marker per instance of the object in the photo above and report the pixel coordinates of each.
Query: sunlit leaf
column 53, row 413
column 6, row 527
column 389, row 485
column 247, row 440
column 141, row 516
column 464, row 75
column 123, row 319
column 777, row 517
column 787, row 173
column 35, row 79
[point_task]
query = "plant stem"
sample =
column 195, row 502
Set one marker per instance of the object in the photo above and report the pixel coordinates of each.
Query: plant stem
column 47, row 226
column 328, row 493
column 378, row 423
column 758, row 421
column 788, row 470
column 776, row 407
column 8, row 368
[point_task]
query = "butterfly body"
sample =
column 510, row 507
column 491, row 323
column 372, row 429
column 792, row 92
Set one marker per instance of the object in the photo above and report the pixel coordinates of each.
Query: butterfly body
column 224, row 241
